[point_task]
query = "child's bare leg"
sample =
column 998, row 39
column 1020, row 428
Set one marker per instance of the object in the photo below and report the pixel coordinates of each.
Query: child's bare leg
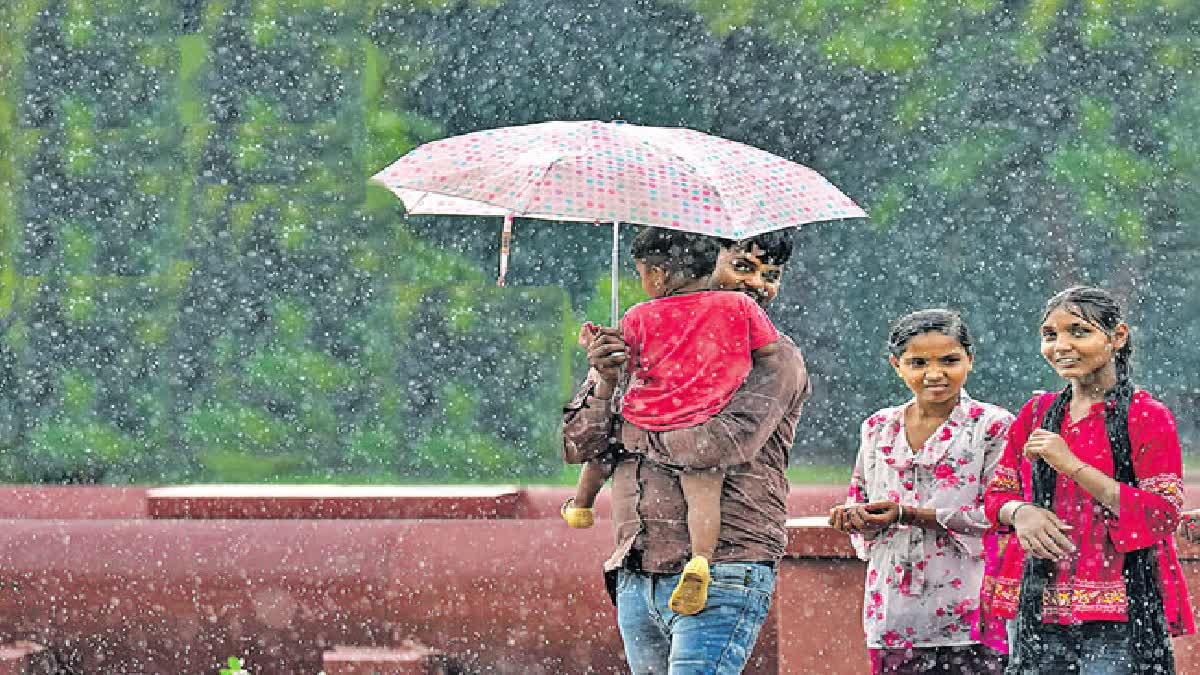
column 578, row 510
column 702, row 492
column 591, row 481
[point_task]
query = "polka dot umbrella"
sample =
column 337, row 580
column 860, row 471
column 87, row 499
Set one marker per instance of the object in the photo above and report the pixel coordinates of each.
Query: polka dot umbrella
column 613, row 172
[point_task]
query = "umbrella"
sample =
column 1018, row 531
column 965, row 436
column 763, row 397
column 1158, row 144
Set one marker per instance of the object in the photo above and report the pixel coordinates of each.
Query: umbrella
column 614, row 172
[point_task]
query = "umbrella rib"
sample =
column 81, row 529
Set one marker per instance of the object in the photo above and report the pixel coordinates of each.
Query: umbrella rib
column 425, row 192
column 451, row 195
column 666, row 150
column 526, row 193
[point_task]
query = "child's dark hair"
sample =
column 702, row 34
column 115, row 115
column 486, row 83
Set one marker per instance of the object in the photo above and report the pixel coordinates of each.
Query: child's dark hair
column 683, row 253
column 942, row 321
column 1102, row 310
column 1148, row 626
column 776, row 246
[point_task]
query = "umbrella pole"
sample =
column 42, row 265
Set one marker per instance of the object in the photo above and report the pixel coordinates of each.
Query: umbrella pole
column 616, row 256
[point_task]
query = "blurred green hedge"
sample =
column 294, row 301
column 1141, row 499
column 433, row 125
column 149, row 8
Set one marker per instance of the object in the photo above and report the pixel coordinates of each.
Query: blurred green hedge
column 197, row 283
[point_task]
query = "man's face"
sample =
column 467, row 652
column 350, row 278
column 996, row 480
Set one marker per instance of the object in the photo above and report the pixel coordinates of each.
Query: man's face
column 745, row 271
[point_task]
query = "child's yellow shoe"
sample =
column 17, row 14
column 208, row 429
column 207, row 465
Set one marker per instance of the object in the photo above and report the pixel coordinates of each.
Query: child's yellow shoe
column 691, row 594
column 577, row 517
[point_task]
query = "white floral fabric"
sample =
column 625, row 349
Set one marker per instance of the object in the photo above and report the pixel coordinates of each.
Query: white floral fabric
column 922, row 587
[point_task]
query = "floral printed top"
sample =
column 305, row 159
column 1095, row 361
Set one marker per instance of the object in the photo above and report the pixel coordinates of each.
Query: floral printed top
column 1088, row 585
column 922, row 585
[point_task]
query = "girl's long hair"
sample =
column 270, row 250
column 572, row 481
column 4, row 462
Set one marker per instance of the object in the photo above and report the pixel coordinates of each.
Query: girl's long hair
column 1150, row 643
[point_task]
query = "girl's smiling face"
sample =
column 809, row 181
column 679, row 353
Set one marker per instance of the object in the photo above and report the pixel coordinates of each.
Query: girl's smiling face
column 934, row 366
column 1076, row 348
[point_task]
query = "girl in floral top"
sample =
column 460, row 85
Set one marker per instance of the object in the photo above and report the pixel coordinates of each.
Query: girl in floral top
column 915, row 506
column 1091, row 482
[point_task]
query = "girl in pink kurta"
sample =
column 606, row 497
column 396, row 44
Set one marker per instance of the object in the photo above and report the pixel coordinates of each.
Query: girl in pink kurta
column 915, row 506
column 1091, row 483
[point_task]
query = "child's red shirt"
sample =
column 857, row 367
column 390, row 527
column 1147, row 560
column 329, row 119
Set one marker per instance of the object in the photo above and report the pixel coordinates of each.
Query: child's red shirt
column 689, row 354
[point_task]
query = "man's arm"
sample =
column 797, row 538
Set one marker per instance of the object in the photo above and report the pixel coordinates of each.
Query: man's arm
column 590, row 427
column 588, row 424
column 776, row 385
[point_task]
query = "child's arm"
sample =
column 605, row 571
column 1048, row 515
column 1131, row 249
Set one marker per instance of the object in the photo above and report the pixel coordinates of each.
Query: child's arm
column 589, row 424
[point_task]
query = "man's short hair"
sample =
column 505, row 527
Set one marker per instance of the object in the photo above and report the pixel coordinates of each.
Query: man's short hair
column 776, row 245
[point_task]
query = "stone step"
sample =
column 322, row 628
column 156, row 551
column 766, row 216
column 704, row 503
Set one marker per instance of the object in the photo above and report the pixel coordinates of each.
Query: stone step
column 455, row 502
column 410, row 659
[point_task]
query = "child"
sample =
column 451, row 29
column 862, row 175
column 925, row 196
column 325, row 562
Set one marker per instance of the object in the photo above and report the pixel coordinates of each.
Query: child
column 690, row 349
column 915, row 504
column 1091, row 483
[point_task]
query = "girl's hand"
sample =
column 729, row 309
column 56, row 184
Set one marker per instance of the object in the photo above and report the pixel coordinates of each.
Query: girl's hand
column 1041, row 533
column 1051, row 447
column 864, row 518
column 837, row 518
column 877, row 516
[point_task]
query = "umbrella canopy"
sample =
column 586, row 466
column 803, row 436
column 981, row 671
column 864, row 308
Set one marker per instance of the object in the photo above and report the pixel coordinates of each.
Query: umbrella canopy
column 615, row 172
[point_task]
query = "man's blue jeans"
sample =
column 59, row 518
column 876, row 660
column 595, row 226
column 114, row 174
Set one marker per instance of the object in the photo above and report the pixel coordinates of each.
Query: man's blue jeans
column 717, row 641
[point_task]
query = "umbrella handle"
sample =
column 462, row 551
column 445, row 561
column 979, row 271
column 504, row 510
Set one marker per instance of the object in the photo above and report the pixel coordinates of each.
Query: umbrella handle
column 505, row 241
column 616, row 257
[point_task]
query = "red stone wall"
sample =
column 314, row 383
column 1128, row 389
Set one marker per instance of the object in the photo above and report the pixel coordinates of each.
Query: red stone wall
column 111, row 590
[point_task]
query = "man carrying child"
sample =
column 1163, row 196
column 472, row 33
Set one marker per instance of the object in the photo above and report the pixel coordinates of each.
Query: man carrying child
column 748, row 440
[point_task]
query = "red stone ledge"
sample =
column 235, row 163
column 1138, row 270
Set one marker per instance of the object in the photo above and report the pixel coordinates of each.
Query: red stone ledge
column 177, row 596
column 812, row 537
column 299, row 502
column 504, row 595
column 101, row 502
column 72, row 501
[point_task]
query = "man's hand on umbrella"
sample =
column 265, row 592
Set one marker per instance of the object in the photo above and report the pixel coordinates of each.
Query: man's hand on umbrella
column 606, row 355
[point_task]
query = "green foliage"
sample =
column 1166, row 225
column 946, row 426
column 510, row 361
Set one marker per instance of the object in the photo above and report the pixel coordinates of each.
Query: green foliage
column 208, row 293
column 197, row 283
column 74, row 450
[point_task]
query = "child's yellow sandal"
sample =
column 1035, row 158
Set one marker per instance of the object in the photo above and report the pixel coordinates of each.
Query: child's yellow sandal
column 691, row 594
column 577, row 517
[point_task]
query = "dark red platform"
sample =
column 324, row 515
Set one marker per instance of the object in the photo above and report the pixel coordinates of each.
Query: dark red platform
column 510, row 593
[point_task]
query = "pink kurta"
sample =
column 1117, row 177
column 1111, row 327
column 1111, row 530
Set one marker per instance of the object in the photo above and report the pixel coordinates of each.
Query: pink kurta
column 1088, row 585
